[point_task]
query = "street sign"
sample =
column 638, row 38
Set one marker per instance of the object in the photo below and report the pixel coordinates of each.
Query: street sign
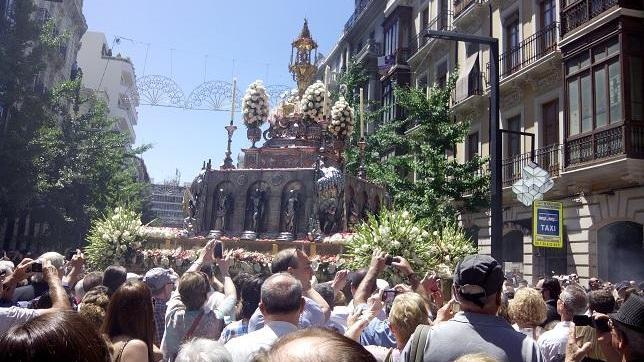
column 547, row 224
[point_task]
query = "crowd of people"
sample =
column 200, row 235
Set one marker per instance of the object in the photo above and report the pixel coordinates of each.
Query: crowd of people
column 52, row 309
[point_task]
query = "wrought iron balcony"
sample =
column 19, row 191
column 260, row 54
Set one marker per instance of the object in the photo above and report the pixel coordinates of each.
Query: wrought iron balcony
column 547, row 157
column 576, row 13
column 475, row 87
column 529, row 51
column 619, row 140
column 461, row 5
column 442, row 21
column 360, row 8
column 372, row 48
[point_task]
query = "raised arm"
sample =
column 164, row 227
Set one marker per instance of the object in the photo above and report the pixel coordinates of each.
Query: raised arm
column 19, row 274
column 205, row 256
column 59, row 297
column 368, row 284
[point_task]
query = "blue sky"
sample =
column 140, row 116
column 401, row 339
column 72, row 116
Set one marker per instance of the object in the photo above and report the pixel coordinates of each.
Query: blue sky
column 256, row 34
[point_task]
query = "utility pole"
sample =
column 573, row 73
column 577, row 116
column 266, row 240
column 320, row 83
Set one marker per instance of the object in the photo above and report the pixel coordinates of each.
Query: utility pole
column 496, row 182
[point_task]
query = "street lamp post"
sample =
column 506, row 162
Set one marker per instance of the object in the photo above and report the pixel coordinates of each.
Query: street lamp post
column 496, row 187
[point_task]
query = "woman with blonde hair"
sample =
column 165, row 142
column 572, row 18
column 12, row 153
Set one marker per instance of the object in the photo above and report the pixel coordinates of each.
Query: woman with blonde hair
column 528, row 310
column 408, row 311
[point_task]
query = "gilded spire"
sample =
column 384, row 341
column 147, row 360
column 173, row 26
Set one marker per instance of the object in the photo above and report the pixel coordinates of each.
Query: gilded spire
column 305, row 33
column 302, row 61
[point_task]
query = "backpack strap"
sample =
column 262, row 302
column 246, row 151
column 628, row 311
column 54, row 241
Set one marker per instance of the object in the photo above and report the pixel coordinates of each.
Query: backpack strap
column 195, row 323
column 418, row 342
column 389, row 357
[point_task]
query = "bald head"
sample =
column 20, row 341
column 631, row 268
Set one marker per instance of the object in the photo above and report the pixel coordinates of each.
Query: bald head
column 329, row 346
column 281, row 294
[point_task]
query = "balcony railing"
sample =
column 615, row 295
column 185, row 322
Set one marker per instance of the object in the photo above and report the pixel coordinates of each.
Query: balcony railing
column 360, row 8
column 529, row 51
column 599, row 145
column 372, row 48
column 475, row 87
column 442, row 21
column 636, row 141
column 577, row 13
column 462, row 5
column 547, row 158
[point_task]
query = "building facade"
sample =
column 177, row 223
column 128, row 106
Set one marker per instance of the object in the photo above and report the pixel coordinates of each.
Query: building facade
column 362, row 41
column 112, row 78
column 67, row 18
column 571, row 74
column 167, row 204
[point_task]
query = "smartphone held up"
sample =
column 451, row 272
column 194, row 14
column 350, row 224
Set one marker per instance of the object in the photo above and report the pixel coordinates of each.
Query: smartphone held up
column 218, row 252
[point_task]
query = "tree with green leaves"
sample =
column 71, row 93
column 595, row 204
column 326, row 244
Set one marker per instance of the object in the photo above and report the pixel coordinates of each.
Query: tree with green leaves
column 23, row 106
column 84, row 166
column 410, row 158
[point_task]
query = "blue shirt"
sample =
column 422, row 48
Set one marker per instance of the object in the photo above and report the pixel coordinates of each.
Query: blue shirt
column 378, row 333
column 234, row 329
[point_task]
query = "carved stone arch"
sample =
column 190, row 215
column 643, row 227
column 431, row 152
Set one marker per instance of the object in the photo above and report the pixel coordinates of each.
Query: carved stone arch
column 377, row 205
column 366, row 206
column 620, row 250
column 512, row 248
column 301, row 221
column 265, row 191
column 223, row 190
column 213, row 96
column 159, row 90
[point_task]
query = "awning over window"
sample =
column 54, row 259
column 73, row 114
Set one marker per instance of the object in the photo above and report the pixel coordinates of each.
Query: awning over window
column 462, row 90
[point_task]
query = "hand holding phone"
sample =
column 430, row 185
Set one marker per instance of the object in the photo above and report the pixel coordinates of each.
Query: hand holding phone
column 218, row 252
column 36, row 267
column 390, row 259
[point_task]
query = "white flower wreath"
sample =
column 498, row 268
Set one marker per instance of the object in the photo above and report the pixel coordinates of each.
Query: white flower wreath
column 342, row 120
column 255, row 105
column 312, row 102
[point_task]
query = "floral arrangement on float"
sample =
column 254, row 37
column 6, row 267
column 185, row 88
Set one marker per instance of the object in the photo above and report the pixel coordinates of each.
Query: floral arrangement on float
column 163, row 233
column 114, row 239
column 399, row 233
column 312, row 103
column 342, row 119
column 252, row 262
column 255, row 105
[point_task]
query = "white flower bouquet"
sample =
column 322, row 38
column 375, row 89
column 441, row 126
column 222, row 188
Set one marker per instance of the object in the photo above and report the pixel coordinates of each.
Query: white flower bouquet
column 342, row 119
column 114, row 239
column 312, row 103
column 400, row 234
column 255, row 105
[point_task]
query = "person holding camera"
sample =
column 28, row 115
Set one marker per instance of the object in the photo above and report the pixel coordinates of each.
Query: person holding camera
column 192, row 310
column 16, row 315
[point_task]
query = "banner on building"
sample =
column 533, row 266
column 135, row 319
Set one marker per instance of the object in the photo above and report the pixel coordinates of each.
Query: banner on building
column 547, row 224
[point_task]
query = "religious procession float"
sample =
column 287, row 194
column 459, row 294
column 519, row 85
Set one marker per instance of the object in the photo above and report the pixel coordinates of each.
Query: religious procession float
column 292, row 191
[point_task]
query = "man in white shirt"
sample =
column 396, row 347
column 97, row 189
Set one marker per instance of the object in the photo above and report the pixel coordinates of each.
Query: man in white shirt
column 572, row 301
column 316, row 309
column 281, row 305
